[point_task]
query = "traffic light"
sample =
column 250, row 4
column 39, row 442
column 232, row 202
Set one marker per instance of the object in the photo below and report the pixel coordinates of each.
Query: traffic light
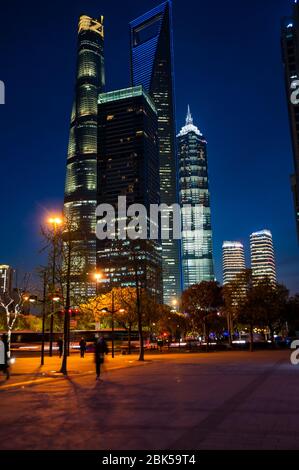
column 73, row 312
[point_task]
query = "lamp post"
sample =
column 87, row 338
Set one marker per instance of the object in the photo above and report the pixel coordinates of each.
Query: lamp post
column 34, row 299
column 97, row 277
column 112, row 312
column 42, row 357
column 54, row 222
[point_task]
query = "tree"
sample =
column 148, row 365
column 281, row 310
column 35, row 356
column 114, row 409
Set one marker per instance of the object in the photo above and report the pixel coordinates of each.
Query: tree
column 234, row 293
column 69, row 261
column 13, row 305
column 263, row 305
column 202, row 302
column 291, row 315
column 174, row 323
column 272, row 300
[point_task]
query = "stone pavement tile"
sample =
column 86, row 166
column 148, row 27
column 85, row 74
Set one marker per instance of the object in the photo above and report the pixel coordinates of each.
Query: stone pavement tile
column 238, row 422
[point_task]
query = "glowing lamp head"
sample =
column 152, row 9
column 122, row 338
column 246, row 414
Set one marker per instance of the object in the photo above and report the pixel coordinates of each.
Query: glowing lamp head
column 55, row 220
column 98, row 276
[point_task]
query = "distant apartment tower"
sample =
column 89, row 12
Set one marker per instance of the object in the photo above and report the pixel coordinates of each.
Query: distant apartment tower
column 6, row 276
column 194, row 196
column 262, row 256
column 152, row 67
column 290, row 52
column 81, row 174
column 128, row 165
column 233, row 260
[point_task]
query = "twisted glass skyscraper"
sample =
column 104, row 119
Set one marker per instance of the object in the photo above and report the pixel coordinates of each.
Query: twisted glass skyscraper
column 152, row 67
column 197, row 256
column 290, row 53
column 81, row 175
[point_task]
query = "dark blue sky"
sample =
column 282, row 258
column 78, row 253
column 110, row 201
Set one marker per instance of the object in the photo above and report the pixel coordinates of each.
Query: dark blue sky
column 227, row 66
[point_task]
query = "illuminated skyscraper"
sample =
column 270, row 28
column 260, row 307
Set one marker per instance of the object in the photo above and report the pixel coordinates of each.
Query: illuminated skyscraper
column 290, row 52
column 128, row 166
column 81, row 175
column 233, row 260
column 6, row 275
column 152, row 67
column 197, row 256
column 262, row 256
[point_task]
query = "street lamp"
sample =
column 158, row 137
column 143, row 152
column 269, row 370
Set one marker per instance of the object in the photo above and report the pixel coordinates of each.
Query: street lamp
column 55, row 222
column 97, row 277
column 34, row 299
column 112, row 312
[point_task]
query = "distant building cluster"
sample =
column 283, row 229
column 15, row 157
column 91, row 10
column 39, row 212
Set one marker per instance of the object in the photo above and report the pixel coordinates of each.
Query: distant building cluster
column 261, row 254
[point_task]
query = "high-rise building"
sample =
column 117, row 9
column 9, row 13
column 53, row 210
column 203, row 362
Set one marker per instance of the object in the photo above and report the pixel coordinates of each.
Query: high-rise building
column 262, row 256
column 197, row 255
column 290, row 52
column 6, row 275
column 81, row 174
column 128, row 166
column 233, row 259
column 152, row 67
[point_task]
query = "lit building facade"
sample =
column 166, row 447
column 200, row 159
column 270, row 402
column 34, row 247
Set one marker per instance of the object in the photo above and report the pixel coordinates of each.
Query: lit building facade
column 128, row 166
column 233, row 260
column 6, row 276
column 290, row 53
column 152, row 67
column 197, row 254
column 81, row 174
column 262, row 256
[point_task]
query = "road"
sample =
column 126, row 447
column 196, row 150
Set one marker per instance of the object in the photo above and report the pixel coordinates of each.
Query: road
column 233, row 400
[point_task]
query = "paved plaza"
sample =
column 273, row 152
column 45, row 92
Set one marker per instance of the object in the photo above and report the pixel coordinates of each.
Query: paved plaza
column 230, row 400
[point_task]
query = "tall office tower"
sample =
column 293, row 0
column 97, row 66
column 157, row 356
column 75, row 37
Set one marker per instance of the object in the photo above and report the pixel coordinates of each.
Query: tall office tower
column 233, row 259
column 262, row 256
column 197, row 255
column 152, row 67
column 6, row 275
column 128, row 166
column 290, row 52
column 81, row 175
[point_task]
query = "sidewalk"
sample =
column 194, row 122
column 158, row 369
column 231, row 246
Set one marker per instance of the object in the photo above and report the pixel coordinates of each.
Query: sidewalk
column 28, row 371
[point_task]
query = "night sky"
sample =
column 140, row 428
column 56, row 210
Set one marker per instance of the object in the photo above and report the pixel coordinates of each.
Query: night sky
column 227, row 67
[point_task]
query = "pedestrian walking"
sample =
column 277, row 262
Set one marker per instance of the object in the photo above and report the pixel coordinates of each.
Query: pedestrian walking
column 82, row 345
column 60, row 347
column 101, row 349
column 4, row 360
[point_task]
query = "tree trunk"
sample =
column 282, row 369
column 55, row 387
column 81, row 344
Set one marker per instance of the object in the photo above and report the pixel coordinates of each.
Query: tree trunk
column 138, row 305
column 207, row 336
column 229, row 327
column 129, row 337
column 141, row 345
column 63, row 369
column 8, row 342
column 251, row 338
column 272, row 336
